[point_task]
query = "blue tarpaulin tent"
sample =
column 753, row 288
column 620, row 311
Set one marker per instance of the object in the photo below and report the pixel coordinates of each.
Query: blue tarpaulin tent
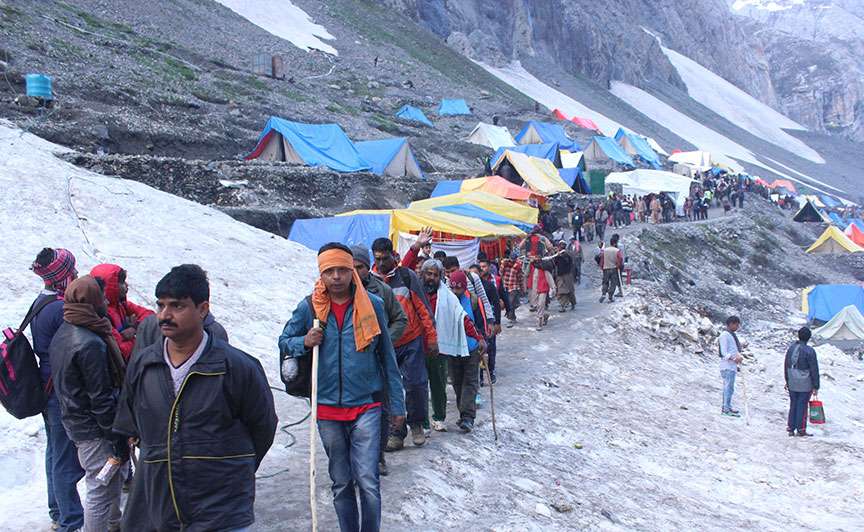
column 605, row 147
column 543, row 133
column 453, row 107
column 542, row 151
column 349, row 230
column 310, row 144
column 826, row 300
column 835, row 218
column 620, row 133
column 830, row 202
column 390, row 157
column 413, row 114
column 636, row 146
column 443, row 188
column 473, row 211
column 575, row 180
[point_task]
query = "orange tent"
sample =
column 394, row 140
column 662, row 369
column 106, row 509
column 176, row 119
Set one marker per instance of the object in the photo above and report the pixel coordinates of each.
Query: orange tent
column 499, row 186
column 785, row 183
column 855, row 234
column 585, row 123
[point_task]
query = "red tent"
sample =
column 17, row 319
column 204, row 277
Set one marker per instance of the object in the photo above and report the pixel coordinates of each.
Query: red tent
column 855, row 234
column 585, row 123
column 559, row 115
column 788, row 185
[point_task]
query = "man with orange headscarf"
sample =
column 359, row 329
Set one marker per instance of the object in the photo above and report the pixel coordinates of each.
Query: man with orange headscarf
column 356, row 367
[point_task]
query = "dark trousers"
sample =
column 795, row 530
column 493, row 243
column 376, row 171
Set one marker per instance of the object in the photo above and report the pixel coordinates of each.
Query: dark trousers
column 513, row 300
column 610, row 282
column 437, row 369
column 63, row 471
column 464, row 372
column 412, row 365
column 798, row 402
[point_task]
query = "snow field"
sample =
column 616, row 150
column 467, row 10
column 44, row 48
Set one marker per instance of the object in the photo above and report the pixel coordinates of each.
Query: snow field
column 256, row 278
column 284, row 20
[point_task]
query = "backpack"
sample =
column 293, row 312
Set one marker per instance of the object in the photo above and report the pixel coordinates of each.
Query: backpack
column 21, row 391
column 799, row 379
column 301, row 384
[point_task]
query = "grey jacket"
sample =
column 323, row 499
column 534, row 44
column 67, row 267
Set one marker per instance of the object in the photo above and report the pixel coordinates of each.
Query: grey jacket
column 149, row 333
column 396, row 318
column 806, row 362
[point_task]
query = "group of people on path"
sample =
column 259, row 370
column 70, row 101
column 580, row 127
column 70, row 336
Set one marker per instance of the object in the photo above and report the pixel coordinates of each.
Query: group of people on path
column 119, row 376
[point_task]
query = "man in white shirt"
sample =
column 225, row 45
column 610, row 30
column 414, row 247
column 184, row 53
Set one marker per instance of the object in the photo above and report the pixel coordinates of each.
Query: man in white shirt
column 730, row 357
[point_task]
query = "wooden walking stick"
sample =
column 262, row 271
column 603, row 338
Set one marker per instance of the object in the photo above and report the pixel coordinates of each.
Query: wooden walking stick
column 746, row 400
column 491, row 397
column 313, row 433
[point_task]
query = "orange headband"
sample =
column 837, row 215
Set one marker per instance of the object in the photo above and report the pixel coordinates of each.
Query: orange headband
column 335, row 258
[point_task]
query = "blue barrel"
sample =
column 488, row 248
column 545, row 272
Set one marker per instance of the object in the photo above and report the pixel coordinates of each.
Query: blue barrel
column 39, row 86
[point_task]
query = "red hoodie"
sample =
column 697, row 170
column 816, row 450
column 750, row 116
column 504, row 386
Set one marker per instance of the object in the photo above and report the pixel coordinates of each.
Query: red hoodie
column 122, row 313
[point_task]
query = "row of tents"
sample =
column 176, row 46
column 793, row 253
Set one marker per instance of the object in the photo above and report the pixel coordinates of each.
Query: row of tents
column 838, row 309
column 841, row 236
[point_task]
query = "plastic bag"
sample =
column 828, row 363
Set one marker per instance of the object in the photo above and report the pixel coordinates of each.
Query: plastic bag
column 817, row 413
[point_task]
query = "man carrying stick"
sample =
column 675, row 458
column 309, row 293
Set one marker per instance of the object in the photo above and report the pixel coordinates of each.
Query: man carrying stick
column 356, row 367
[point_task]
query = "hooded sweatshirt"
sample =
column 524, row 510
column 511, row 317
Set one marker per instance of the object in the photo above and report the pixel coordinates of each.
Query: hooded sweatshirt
column 121, row 313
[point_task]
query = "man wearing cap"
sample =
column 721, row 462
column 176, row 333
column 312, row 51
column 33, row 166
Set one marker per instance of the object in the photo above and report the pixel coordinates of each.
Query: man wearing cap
column 464, row 368
column 396, row 323
column 356, row 364
column 56, row 267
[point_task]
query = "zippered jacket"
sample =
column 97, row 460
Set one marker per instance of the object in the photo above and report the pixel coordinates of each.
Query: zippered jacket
column 201, row 447
column 347, row 377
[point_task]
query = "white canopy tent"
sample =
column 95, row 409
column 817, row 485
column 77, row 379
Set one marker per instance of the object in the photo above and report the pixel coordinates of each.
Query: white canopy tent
column 642, row 182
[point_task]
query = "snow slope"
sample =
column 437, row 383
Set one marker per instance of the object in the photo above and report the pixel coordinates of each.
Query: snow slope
column 520, row 79
column 738, row 107
column 285, row 20
column 256, row 278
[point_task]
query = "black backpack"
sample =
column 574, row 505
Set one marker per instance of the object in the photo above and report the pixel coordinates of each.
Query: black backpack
column 21, row 391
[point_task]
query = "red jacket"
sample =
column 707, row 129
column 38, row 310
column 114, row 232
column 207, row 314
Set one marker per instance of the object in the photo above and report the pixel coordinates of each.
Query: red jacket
column 123, row 314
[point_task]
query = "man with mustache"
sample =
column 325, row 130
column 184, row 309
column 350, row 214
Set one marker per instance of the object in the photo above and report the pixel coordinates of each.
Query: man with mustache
column 203, row 411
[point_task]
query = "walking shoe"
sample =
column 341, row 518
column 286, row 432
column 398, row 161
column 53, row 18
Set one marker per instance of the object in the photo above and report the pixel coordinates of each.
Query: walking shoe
column 601, row 299
column 510, row 324
column 790, row 432
column 731, row 413
column 562, row 310
column 417, row 436
column 438, row 426
column 478, row 400
column 494, row 378
column 382, row 467
column 394, row 443
column 545, row 319
column 804, row 433
column 467, row 425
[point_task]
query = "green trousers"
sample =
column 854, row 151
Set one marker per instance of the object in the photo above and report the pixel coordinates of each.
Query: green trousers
column 437, row 369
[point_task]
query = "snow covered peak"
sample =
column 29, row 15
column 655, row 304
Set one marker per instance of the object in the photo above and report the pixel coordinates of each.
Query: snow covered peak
column 285, row 20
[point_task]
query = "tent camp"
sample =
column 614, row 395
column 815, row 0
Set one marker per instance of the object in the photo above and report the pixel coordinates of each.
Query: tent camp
column 808, row 213
column 834, row 241
column 495, row 184
column 490, row 202
column 539, row 174
column 408, row 220
column 636, row 146
column 453, row 108
column 413, row 114
column 855, row 234
column 848, row 324
column 361, row 229
column 830, row 202
column 548, row 151
column 543, row 133
column 698, row 159
column 643, row 182
column 824, row 301
column 494, row 137
column 604, row 151
column 390, row 157
column 309, row 144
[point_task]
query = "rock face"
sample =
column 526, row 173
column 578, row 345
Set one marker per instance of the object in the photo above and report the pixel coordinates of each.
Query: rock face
column 816, row 52
column 603, row 41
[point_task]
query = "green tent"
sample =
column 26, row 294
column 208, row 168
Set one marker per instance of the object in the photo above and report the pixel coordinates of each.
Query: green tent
column 597, row 180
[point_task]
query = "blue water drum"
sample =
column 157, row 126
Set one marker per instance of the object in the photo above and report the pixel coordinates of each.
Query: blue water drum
column 39, row 86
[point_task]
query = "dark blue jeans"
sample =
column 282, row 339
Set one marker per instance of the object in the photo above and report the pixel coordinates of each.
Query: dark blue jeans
column 798, row 403
column 62, row 471
column 415, row 378
column 353, row 448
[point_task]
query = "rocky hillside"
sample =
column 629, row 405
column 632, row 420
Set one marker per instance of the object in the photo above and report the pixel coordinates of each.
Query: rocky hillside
column 816, row 52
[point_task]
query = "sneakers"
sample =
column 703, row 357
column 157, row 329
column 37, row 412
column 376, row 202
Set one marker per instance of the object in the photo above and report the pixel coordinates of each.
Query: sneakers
column 466, row 425
column 418, row 437
column 494, row 378
column 394, row 443
column 382, row 468
column 804, row 433
column 731, row 413
column 439, row 426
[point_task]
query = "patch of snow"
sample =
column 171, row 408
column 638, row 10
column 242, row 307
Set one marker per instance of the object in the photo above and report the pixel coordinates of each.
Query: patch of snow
column 520, row 79
column 738, row 107
column 699, row 135
column 256, row 278
column 284, row 20
column 769, row 5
